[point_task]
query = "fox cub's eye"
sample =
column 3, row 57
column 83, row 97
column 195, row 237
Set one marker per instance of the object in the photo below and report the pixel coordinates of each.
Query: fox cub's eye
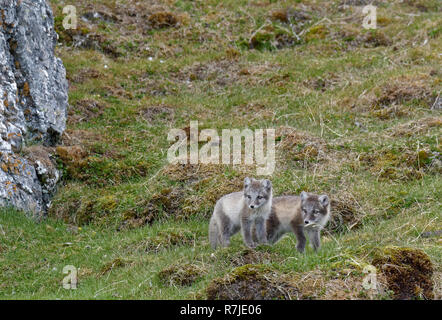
column 248, row 197
column 260, row 197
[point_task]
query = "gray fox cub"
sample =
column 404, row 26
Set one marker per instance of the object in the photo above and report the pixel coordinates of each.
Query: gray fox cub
column 295, row 214
column 242, row 210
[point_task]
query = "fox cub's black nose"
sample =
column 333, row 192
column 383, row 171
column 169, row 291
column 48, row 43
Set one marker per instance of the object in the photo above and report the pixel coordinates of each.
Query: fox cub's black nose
column 306, row 222
column 252, row 206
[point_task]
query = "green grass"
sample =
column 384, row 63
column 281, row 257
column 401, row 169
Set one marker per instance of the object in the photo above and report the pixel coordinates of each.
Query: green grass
column 200, row 70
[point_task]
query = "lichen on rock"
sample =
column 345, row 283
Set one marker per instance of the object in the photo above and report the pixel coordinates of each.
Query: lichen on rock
column 33, row 103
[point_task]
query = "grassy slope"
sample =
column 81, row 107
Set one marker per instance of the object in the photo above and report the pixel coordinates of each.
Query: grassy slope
column 320, row 87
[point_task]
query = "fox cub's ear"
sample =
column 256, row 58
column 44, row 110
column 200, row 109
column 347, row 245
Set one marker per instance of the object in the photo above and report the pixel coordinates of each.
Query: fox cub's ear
column 267, row 184
column 324, row 200
column 304, row 195
column 247, row 182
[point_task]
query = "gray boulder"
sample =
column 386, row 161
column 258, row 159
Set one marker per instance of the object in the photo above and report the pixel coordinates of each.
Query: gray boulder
column 33, row 104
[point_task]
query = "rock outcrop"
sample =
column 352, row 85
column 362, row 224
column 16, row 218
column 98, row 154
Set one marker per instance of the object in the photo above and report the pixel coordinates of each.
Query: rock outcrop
column 33, row 104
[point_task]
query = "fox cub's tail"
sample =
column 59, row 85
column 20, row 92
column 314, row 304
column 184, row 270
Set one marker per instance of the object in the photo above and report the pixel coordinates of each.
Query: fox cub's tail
column 213, row 232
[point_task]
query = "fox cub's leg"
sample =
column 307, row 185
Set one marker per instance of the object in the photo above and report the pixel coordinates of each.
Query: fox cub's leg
column 225, row 228
column 300, row 237
column 260, row 225
column 225, row 231
column 315, row 239
column 272, row 229
column 246, row 229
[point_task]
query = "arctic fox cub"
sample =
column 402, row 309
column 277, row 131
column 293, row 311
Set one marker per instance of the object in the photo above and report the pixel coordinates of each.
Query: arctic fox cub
column 295, row 214
column 242, row 210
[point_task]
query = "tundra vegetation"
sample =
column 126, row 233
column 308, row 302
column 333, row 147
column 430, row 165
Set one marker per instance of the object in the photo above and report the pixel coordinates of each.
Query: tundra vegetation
column 357, row 115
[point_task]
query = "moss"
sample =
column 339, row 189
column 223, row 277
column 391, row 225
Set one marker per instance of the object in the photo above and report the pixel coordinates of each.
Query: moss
column 182, row 275
column 374, row 38
column 169, row 238
column 163, row 19
column 248, row 256
column 408, row 272
column 405, row 90
column 251, row 282
column 302, row 148
column 114, row 264
column 344, row 216
column 97, row 169
column 263, row 39
column 316, row 32
column 401, row 163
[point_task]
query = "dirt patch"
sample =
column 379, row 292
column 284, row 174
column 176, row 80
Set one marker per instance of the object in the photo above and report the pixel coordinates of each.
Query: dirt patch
column 114, row 264
column 391, row 112
column 355, row 38
column 414, row 127
column 248, row 256
column 181, row 274
column 167, row 203
column 328, row 82
column 272, row 37
column 347, row 285
column 84, row 74
column 137, row 217
column 290, row 15
column 71, row 154
column 299, row 147
column 191, row 173
column 372, row 39
column 408, row 272
column 155, row 86
column 345, row 215
column 80, row 211
column 85, row 110
column 80, row 137
column 422, row 5
column 168, row 200
column 220, row 73
column 40, row 153
column 158, row 114
column 226, row 72
column 403, row 91
column 84, row 37
column 252, row 282
column 254, row 110
column 117, row 91
column 163, row 19
column 402, row 163
column 94, row 144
